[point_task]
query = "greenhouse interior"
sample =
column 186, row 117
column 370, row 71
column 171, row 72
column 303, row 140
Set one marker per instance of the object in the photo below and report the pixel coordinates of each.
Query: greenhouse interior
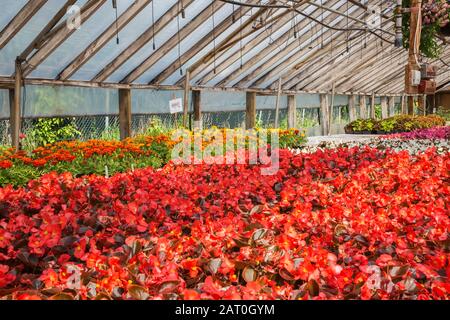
column 118, row 120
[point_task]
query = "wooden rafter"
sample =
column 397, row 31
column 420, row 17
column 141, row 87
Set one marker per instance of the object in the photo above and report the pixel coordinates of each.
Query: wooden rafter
column 360, row 77
column 40, row 38
column 275, row 67
column 376, row 74
column 231, row 38
column 190, row 27
column 201, row 44
column 38, row 57
column 353, row 66
column 141, row 41
column 365, row 65
column 255, row 42
column 103, row 39
column 245, row 48
column 223, row 52
column 21, row 18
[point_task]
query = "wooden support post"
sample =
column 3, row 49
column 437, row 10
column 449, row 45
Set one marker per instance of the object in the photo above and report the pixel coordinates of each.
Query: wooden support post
column 277, row 106
column 404, row 110
column 325, row 114
column 292, row 111
column 391, row 106
column 187, row 89
column 423, row 104
column 15, row 108
column 352, row 107
column 384, row 108
column 331, row 108
column 415, row 24
column 250, row 114
column 372, row 107
column 125, row 113
column 196, row 101
column 362, row 107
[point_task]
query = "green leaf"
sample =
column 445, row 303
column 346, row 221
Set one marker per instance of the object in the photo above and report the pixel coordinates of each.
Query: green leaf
column 138, row 292
column 249, row 274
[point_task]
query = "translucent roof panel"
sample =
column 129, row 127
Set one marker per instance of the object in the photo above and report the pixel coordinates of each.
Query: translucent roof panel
column 127, row 36
column 261, row 70
column 26, row 35
column 220, row 37
column 10, row 8
column 170, row 30
column 186, row 44
column 80, row 39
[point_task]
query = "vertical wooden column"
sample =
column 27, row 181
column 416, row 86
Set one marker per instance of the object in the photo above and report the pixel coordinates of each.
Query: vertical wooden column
column 362, row 107
column 422, row 104
column 292, row 111
column 384, row 108
column 352, row 107
column 187, row 89
column 250, row 113
column 413, row 53
column 403, row 105
column 196, row 101
column 325, row 114
column 391, row 105
column 14, row 98
column 277, row 105
column 372, row 106
column 125, row 113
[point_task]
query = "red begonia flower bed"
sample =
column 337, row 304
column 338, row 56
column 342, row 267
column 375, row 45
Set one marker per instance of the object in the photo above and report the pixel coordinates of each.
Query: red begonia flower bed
column 336, row 224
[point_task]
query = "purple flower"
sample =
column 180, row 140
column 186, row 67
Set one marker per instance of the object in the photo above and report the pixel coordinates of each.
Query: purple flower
column 431, row 133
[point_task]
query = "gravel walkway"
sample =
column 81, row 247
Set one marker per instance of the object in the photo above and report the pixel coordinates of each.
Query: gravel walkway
column 340, row 138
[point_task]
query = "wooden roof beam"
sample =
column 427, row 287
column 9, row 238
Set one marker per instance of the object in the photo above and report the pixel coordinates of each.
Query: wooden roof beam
column 40, row 38
column 143, row 39
column 257, row 41
column 57, row 39
column 230, row 40
column 354, row 66
column 103, row 39
column 200, row 45
column 190, row 27
column 19, row 21
column 275, row 68
column 373, row 73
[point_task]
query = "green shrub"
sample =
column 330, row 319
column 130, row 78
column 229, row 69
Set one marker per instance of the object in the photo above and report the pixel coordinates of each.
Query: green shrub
column 398, row 123
column 51, row 130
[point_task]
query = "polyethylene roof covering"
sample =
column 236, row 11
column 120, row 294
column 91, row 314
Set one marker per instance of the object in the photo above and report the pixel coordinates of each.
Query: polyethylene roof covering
column 355, row 61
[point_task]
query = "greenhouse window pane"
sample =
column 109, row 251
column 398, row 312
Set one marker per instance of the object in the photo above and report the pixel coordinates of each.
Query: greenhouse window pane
column 128, row 35
column 26, row 35
column 171, row 29
column 80, row 40
column 10, row 8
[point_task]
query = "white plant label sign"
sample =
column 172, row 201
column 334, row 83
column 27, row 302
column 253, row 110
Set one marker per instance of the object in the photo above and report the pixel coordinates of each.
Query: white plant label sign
column 176, row 105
